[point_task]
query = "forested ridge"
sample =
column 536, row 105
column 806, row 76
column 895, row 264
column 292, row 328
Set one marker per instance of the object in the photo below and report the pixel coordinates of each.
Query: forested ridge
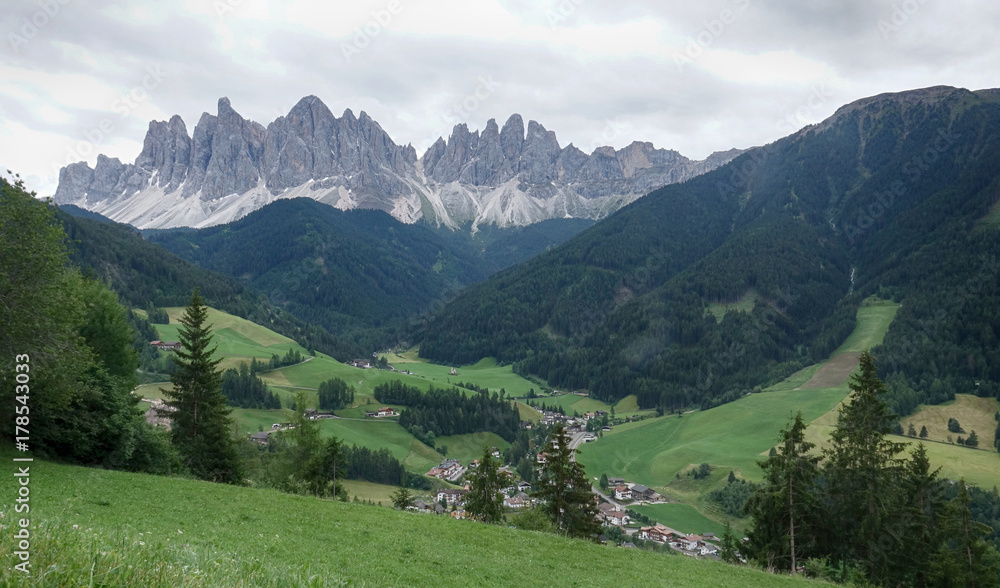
column 360, row 274
column 886, row 198
column 145, row 274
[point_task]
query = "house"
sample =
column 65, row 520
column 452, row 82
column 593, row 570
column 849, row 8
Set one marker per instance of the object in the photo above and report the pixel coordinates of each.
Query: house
column 452, row 496
column 542, row 457
column 640, row 492
column 623, row 493
column 689, row 542
column 658, row 533
column 310, row 414
column 494, row 452
column 514, row 502
column 166, row 345
column 360, row 363
column 616, row 481
column 385, row 411
column 523, row 487
column 449, row 469
column 261, row 438
column 422, row 507
column 459, row 514
column 605, row 428
column 612, row 514
column 158, row 413
column 453, row 372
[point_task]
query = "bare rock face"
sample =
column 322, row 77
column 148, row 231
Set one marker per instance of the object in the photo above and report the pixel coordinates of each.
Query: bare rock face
column 230, row 166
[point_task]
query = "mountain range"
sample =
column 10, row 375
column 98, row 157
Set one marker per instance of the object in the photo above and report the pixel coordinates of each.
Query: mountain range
column 230, row 166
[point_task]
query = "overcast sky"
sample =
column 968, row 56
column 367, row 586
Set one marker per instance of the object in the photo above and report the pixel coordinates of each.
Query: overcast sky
column 79, row 77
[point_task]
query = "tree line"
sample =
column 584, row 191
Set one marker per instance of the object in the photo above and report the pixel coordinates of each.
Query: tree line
column 440, row 412
column 243, row 389
column 861, row 510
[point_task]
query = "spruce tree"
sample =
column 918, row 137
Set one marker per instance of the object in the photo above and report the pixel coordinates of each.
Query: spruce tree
column 201, row 425
column 964, row 557
column 862, row 470
column 785, row 508
column 485, row 502
column 564, row 489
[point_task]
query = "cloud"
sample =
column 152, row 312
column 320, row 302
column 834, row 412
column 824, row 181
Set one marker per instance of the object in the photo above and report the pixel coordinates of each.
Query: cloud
column 696, row 77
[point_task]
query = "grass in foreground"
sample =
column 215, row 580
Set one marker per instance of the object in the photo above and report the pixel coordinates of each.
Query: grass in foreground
column 201, row 534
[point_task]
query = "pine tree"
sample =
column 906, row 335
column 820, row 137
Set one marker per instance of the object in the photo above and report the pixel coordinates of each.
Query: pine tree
column 784, row 508
column 201, row 426
column 924, row 500
column 923, row 432
column 402, row 498
column 972, row 440
column 728, row 550
column 485, row 501
column 862, row 470
column 964, row 558
column 564, row 489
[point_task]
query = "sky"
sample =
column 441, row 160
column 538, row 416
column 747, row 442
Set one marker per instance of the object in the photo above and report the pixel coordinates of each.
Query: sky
column 79, row 78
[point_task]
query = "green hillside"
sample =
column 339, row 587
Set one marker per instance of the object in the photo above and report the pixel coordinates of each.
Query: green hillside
column 144, row 273
column 103, row 528
column 700, row 292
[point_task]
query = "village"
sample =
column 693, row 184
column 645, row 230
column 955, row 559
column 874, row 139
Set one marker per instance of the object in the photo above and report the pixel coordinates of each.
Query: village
column 620, row 524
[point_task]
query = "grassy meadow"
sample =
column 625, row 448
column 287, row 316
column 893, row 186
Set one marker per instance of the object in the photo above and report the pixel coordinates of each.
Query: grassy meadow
column 101, row 528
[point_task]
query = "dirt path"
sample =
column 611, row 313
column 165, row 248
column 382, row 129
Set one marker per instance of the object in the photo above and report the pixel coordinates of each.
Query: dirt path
column 834, row 372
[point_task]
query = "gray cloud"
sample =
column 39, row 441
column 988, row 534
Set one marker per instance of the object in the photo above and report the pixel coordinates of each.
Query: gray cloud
column 592, row 72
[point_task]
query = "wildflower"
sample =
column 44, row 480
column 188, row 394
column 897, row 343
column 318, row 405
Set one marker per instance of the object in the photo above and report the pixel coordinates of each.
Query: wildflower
column 179, row 531
column 76, row 526
column 143, row 543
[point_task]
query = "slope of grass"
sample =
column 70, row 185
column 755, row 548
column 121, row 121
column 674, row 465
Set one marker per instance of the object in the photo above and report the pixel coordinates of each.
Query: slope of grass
column 873, row 321
column 200, row 534
column 682, row 517
column 972, row 412
column 470, row 446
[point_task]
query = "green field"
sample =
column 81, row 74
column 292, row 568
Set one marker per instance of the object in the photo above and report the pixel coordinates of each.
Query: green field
column 238, row 340
column 140, row 530
column 469, row 447
column 377, row 493
column 873, row 321
column 683, row 517
column 733, row 436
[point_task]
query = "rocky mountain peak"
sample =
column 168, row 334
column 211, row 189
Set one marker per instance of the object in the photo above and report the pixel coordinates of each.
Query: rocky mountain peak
column 230, row 166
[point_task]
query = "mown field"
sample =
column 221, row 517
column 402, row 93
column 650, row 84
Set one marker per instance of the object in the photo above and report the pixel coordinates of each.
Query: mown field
column 100, row 528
